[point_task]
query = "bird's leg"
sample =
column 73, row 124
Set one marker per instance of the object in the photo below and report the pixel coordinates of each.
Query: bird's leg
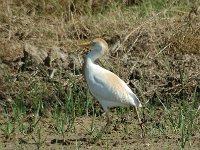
column 139, row 120
column 103, row 129
column 107, row 122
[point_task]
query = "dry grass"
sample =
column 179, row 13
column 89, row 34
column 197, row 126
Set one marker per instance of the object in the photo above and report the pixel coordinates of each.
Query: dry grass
column 154, row 47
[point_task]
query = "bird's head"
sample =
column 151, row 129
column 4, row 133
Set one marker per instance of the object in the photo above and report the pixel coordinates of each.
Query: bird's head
column 100, row 44
column 97, row 45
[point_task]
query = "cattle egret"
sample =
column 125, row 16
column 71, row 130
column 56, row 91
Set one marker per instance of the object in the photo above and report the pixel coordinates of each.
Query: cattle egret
column 104, row 85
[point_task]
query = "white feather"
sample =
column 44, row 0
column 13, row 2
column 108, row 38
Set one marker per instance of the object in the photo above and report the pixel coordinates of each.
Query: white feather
column 108, row 88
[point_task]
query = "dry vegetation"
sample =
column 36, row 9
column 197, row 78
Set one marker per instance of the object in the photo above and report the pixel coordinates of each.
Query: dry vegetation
column 154, row 47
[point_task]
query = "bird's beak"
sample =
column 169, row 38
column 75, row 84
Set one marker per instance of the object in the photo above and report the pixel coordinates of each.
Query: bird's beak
column 85, row 44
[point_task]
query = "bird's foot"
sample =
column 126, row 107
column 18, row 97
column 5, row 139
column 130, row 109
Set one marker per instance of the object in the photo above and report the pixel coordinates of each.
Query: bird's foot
column 94, row 140
column 141, row 124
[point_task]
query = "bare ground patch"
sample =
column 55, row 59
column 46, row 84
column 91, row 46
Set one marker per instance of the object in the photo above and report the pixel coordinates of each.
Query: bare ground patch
column 44, row 101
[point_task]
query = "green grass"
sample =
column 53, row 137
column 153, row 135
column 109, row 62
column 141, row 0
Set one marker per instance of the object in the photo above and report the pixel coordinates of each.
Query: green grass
column 34, row 105
column 67, row 105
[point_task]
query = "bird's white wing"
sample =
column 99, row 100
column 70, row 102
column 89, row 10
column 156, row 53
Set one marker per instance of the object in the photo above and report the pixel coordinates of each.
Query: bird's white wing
column 109, row 87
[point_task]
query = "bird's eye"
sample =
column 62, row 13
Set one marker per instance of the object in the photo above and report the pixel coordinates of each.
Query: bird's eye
column 93, row 43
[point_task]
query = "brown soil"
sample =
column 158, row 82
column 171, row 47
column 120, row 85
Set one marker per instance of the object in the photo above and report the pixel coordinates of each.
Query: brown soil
column 115, row 138
column 157, row 56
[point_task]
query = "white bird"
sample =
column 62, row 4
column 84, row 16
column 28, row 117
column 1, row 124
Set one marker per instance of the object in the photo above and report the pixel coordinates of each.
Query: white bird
column 104, row 85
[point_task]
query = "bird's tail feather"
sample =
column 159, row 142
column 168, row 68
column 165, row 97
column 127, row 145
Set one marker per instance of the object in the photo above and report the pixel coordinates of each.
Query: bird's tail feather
column 136, row 101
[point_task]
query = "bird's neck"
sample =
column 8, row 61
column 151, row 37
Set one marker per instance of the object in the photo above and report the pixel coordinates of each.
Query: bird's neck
column 89, row 62
column 93, row 55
